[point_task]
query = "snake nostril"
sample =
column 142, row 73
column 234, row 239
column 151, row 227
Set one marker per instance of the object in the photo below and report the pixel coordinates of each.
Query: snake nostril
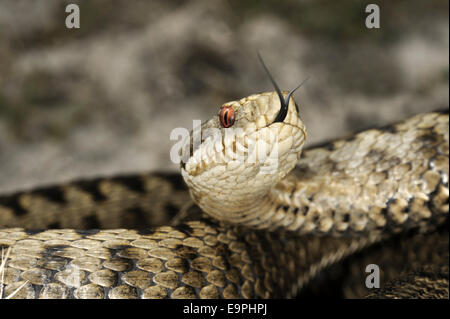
column 226, row 116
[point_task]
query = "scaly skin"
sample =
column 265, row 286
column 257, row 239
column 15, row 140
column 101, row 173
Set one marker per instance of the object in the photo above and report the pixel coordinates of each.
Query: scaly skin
column 368, row 188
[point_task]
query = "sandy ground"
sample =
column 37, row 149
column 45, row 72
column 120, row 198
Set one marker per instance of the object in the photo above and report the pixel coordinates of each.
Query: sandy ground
column 103, row 99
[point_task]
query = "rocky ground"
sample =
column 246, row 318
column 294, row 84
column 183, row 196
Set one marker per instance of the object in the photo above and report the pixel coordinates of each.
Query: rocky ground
column 103, row 99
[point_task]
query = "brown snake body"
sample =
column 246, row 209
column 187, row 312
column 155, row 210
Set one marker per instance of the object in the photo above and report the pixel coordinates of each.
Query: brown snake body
column 378, row 197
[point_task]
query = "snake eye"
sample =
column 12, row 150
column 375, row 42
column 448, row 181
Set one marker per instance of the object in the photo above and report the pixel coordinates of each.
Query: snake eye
column 226, row 116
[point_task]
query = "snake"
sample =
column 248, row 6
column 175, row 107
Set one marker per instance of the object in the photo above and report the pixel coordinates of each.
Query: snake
column 253, row 214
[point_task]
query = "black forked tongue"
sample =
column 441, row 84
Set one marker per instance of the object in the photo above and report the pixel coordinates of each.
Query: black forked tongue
column 284, row 102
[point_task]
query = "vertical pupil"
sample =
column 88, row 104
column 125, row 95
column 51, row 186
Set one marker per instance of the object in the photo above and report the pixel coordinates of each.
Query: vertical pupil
column 225, row 117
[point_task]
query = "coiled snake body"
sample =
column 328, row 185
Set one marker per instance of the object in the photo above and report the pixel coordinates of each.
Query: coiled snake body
column 261, row 228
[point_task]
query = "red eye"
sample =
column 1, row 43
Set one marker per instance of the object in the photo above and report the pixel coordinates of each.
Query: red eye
column 226, row 116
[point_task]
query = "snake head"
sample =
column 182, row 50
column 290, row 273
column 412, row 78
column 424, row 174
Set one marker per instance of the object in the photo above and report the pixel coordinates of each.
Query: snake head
column 232, row 167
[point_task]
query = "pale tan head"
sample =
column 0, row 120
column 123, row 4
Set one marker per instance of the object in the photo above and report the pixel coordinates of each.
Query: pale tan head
column 232, row 171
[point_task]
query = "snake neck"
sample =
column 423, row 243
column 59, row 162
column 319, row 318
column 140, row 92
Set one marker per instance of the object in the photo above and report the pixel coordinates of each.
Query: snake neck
column 254, row 205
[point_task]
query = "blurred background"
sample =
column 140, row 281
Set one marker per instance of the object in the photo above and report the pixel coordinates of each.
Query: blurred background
column 103, row 99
